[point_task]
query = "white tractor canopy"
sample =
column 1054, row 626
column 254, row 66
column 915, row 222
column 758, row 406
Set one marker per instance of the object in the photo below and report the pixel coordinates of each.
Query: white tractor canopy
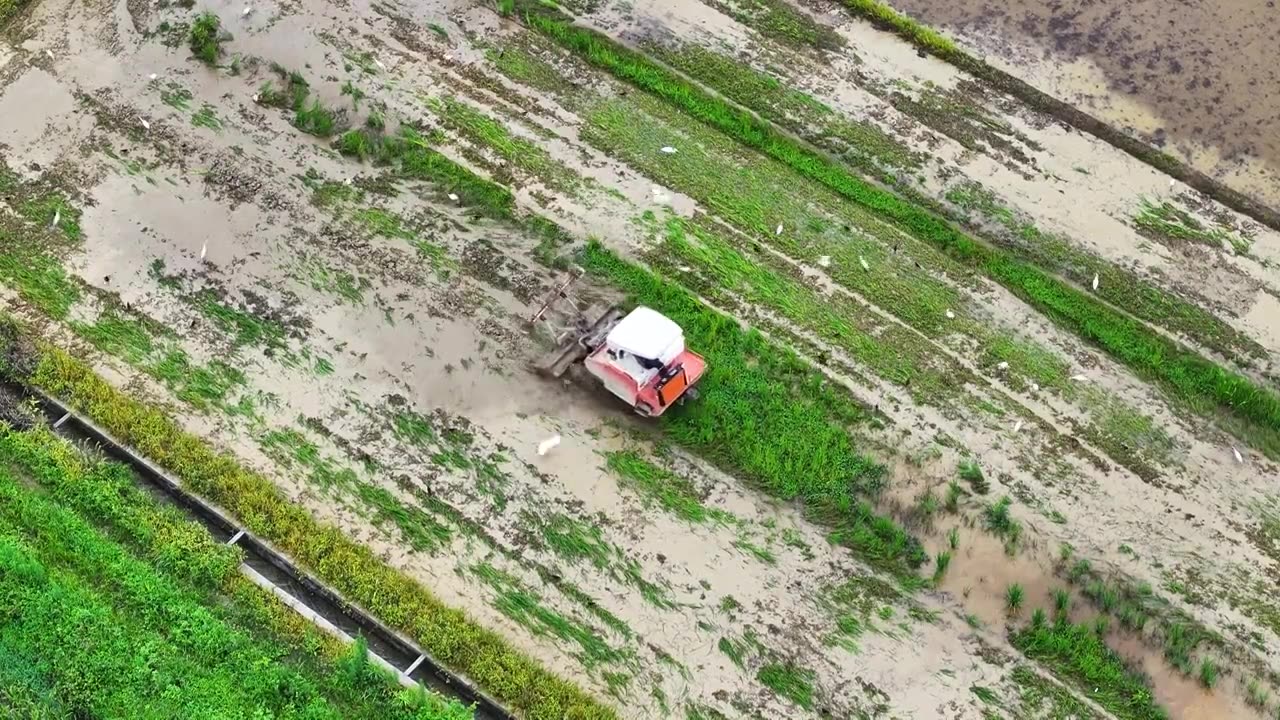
column 644, row 342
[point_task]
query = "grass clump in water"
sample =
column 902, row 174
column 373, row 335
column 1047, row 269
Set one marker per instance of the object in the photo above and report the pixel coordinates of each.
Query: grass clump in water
column 1014, row 596
column 1077, row 653
column 789, row 681
column 971, row 473
column 673, row 493
column 316, row 119
column 1168, row 222
column 205, row 38
column 1208, row 673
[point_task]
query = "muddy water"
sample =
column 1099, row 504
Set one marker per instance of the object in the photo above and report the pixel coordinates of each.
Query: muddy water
column 1197, row 77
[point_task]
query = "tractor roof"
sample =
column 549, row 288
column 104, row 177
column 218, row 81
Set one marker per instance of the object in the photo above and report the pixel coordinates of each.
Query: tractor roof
column 645, row 333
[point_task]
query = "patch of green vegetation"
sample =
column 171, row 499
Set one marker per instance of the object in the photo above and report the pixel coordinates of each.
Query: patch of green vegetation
column 575, row 541
column 857, row 604
column 410, row 153
column 860, row 143
column 779, row 21
column 448, row 443
column 941, row 562
column 518, row 153
column 1256, row 694
column 1078, row 654
column 438, row 30
column 997, row 519
column 985, row 694
column 316, row 119
column 525, row 607
column 176, row 96
column 333, row 281
column 672, row 492
column 1208, row 674
column 789, row 681
column 971, row 472
column 1169, row 223
column 1202, row 384
column 384, row 223
column 419, row 529
column 1014, row 597
column 520, row 65
column 355, row 93
column 1040, row 697
column 292, row 96
column 203, row 386
column 207, row 117
column 245, row 329
column 205, row 38
column 118, row 334
column 763, row 554
column 1121, row 287
column 735, row 650
column 39, row 279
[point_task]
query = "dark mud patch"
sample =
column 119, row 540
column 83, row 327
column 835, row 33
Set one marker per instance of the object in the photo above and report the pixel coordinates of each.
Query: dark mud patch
column 1205, row 68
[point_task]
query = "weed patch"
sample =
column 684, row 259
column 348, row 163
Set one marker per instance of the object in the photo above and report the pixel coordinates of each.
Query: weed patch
column 1169, row 223
column 789, row 681
column 205, row 38
column 778, row 20
column 421, row 531
column 526, row 608
column 1077, row 653
column 670, row 491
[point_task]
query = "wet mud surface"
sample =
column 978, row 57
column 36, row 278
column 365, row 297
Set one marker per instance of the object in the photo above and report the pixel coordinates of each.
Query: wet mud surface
column 1195, row 78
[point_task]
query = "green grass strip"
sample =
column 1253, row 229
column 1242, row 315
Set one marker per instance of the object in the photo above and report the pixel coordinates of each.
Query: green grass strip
column 1189, row 376
column 499, row 669
column 101, row 662
column 767, row 416
column 1076, row 652
column 167, row 593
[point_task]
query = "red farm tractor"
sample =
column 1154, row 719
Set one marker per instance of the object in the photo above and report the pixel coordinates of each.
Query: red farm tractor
column 638, row 356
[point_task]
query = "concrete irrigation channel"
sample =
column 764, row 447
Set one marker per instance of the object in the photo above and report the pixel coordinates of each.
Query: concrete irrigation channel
column 268, row 568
